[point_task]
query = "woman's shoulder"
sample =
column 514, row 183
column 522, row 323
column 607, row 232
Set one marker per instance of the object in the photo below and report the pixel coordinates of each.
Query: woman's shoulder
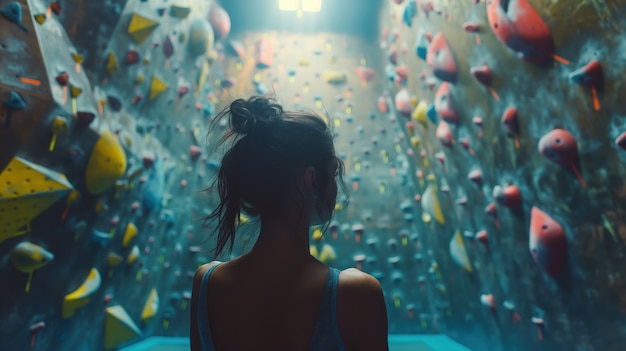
column 201, row 271
column 352, row 280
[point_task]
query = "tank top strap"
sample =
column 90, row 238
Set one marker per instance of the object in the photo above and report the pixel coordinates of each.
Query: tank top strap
column 204, row 330
column 326, row 336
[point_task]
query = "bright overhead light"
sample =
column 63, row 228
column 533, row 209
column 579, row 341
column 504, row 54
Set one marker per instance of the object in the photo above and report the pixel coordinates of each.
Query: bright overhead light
column 288, row 5
column 311, row 5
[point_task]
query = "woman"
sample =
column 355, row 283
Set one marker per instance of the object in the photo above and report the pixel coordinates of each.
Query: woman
column 281, row 169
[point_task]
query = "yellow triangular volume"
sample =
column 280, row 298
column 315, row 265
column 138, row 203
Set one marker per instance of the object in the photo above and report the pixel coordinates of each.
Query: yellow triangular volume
column 151, row 307
column 141, row 27
column 107, row 163
column 118, row 327
column 157, row 87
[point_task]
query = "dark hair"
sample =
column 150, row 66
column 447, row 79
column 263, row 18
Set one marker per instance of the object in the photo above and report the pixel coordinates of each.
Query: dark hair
column 272, row 147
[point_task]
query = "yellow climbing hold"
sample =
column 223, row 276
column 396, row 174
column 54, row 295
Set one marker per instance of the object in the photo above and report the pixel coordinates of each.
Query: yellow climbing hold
column 118, row 327
column 75, row 91
column 419, row 114
column 114, row 260
column 141, row 27
column 27, row 190
column 459, row 253
column 130, row 232
column 27, row 257
column 107, row 163
column 139, row 79
column 430, row 204
column 317, row 234
column 157, row 87
column 78, row 58
column 112, row 66
column 40, row 18
column 327, row 255
column 133, row 255
column 79, row 297
column 151, row 307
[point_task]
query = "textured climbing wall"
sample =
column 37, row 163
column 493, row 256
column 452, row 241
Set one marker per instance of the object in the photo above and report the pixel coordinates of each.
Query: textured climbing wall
column 538, row 261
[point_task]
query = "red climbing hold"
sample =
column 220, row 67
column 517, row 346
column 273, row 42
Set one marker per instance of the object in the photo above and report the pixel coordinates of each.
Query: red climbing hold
column 194, row 152
column 547, row 242
column 559, row 146
column 482, row 74
column 63, row 78
column 132, row 57
column 516, row 24
column 589, row 75
column 444, row 104
column 509, row 119
column 444, row 134
column 509, row 196
column 441, row 60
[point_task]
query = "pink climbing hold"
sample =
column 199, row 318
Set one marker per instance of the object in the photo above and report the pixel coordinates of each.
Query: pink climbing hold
column 194, row 152
column 478, row 121
column 383, row 104
column 403, row 103
column 483, row 238
column 509, row 196
column 441, row 60
column 488, row 300
column 220, row 21
column 444, row 104
column 444, row 134
column 365, row 73
column 559, row 146
column 547, row 242
column 518, row 25
column 621, row 141
column 509, row 120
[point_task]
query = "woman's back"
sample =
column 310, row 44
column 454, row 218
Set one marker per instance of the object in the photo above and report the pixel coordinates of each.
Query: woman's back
column 255, row 307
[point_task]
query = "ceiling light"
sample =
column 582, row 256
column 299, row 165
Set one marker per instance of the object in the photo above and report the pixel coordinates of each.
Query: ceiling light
column 288, row 5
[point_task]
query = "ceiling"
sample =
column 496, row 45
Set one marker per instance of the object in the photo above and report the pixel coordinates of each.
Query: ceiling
column 358, row 17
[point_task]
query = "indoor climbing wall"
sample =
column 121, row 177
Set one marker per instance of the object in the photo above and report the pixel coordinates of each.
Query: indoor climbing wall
column 339, row 77
column 519, row 131
column 103, row 115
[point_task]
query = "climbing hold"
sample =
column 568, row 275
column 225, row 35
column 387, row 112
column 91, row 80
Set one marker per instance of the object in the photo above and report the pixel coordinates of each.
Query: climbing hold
column 28, row 190
column 34, row 330
column 478, row 121
column 476, row 176
column 620, row 141
column 14, row 102
column 114, row 102
column 444, row 104
column 140, row 27
column 458, row 252
column 403, row 103
column 509, row 120
column 410, row 10
column 179, row 11
column 85, row 118
column 220, row 21
column 80, row 297
column 194, row 152
column 118, row 327
column 366, row 74
column 234, row 48
column 517, row 25
column 40, row 18
column 130, row 232
column 419, row 114
column 28, row 257
column 547, row 242
column 590, row 76
column 151, row 307
column 483, row 238
column 510, row 196
column 383, row 104
column 540, row 325
column 132, row 57
column 483, row 75
column 444, row 134
column 157, row 87
column 559, row 146
column 58, row 125
column 489, row 301
column 430, row 204
column 421, row 46
column 106, row 165
column 264, row 54
column 13, row 13
column 111, row 65
column 441, row 60
column 335, row 77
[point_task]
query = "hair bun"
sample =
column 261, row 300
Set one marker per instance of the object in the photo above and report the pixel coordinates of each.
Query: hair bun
column 252, row 114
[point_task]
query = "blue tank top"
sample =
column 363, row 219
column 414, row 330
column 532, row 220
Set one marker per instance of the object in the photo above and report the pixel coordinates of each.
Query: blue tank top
column 325, row 337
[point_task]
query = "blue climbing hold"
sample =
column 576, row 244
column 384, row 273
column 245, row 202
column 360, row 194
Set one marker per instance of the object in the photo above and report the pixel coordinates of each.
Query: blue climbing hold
column 432, row 113
column 409, row 12
column 13, row 13
column 14, row 102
